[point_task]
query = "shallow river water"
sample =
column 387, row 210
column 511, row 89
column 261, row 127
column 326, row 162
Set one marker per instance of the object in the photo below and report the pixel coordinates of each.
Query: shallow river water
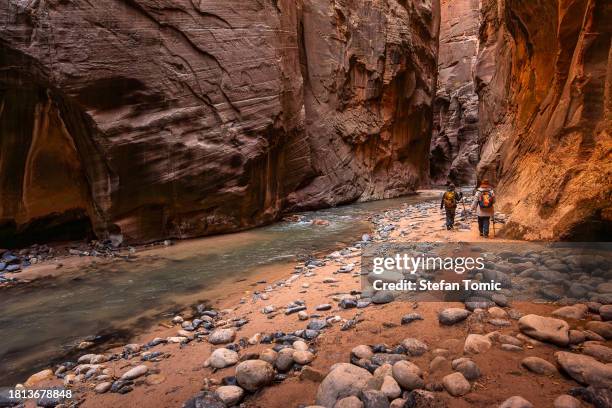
column 45, row 320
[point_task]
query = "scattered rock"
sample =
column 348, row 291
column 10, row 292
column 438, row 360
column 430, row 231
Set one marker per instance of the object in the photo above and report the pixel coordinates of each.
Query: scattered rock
column 539, row 366
column 604, row 329
column 362, row 352
column 452, row 315
column 230, row 395
column 222, row 336
column 566, row 401
column 585, row 369
column 254, row 374
column 467, row 367
column 222, row 357
column 303, row 357
column 516, row 402
column 349, row 402
column 424, row 399
column 390, row 388
column 374, row 399
column 408, row 375
column 605, row 312
column 284, row 359
column 545, row 329
column 411, row 317
column 38, row 377
column 598, row 351
column 414, row 347
column 383, row 297
column 456, row 384
column 135, row 372
column 343, row 380
column 103, row 387
column 476, row 344
column 576, row 312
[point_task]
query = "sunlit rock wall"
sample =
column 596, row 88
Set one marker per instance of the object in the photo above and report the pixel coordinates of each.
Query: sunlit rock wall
column 544, row 77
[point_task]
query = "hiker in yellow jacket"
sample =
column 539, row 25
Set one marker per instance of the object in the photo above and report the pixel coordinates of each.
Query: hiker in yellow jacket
column 483, row 204
column 449, row 202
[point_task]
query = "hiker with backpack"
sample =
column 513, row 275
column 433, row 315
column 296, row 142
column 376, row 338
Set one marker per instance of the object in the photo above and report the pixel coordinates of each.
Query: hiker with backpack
column 483, row 204
column 449, row 202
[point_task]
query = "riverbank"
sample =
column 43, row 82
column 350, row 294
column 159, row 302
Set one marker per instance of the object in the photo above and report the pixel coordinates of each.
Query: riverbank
column 324, row 296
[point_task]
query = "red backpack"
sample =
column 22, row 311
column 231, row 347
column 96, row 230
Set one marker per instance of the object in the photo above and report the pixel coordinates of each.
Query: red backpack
column 486, row 199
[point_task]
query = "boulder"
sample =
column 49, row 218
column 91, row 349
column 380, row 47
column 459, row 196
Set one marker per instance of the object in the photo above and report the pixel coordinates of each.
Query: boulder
column 408, row 375
column 576, row 312
column 452, row 315
column 349, row 402
column 566, row 401
column 38, row 377
column 598, row 351
column 467, row 367
column 585, row 369
column 539, row 366
column 230, row 395
column 516, row 402
column 604, row 329
column 135, row 372
column 222, row 357
column 414, row 347
column 390, row 387
column 476, row 344
column 222, row 336
column 254, row 374
column 343, row 380
column 456, row 384
column 546, row 329
column 374, row 399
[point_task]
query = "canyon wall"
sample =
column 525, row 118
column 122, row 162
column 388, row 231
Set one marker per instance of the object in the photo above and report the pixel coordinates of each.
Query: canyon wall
column 544, row 78
column 145, row 119
column 454, row 144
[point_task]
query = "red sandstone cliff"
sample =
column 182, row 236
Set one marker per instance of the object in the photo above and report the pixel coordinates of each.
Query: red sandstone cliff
column 454, row 144
column 544, row 80
column 175, row 118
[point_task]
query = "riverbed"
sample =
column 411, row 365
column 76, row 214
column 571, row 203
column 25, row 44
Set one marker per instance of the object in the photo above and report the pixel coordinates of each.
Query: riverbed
column 104, row 302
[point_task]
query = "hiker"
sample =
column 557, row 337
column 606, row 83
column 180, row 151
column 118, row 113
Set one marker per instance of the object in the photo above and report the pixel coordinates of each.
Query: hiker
column 449, row 202
column 483, row 204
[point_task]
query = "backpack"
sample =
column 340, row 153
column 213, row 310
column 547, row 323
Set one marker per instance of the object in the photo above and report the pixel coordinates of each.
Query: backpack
column 450, row 199
column 486, row 199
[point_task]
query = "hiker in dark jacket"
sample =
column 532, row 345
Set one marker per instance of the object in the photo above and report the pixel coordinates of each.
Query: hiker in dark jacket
column 449, row 202
column 483, row 204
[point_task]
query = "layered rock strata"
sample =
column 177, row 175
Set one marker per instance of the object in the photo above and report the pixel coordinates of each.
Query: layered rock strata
column 454, row 144
column 146, row 119
column 544, row 81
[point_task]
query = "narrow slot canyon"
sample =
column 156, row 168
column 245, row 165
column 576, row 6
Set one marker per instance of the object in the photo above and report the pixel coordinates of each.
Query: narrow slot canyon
column 206, row 204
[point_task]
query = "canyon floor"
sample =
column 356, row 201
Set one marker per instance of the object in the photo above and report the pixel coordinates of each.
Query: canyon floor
column 178, row 364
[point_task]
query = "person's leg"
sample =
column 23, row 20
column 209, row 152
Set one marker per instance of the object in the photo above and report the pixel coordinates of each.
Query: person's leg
column 448, row 219
column 480, row 225
column 452, row 218
column 485, row 226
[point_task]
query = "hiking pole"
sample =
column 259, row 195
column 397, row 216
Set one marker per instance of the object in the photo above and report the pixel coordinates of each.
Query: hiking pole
column 493, row 220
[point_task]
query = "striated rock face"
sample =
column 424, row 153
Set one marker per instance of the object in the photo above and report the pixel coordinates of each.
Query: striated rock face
column 454, row 144
column 544, row 80
column 165, row 118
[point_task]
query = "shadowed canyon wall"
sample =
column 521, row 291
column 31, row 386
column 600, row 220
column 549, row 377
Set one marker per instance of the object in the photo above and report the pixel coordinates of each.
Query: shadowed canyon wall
column 156, row 119
column 454, row 144
column 544, row 77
